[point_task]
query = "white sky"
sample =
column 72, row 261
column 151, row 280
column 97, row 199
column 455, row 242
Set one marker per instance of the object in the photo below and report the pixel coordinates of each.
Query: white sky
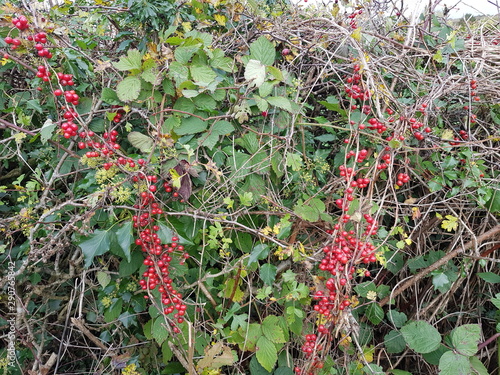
column 460, row 7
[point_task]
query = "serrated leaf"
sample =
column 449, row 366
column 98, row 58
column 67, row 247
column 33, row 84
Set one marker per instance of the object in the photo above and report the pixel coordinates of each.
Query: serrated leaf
column 421, row 336
column 103, row 278
column 374, row 313
column 394, row 342
column 266, row 353
column 47, row 130
column 466, row 338
column 96, row 244
column 261, row 103
column 184, row 53
column 133, row 61
column 255, row 73
column 263, row 51
column 109, row 96
column 272, row 330
column 275, row 72
column 294, row 161
column 129, row 89
column 478, row 366
column 191, row 125
column 454, row 364
column 280, row 102
column 397, row 318
column 140, row 141
column 159, row 331
column 260, row 251
column 268, row 273
column 216, row 356
column 202, row 75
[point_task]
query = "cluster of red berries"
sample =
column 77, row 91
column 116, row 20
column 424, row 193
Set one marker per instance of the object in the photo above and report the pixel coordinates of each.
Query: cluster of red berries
column 352, row 19
column 41, row 39
column 463, row 136
column 402, row 178
column 360, row 156
column 104, row 149
column 21, row 22
column 13, row 42
column 43, row 73
column 65, row 79
column 386, row 159
column 70, row 95
column 119, row 113
column 354, row 90
column 69, row 128
column 158, row 258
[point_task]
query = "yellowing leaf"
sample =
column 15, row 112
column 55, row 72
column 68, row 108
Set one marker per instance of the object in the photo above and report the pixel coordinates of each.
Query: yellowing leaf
column 356, row 34
column 450, row 223
column 447, row 134
column 221, row 19
column 186, row 26
column 408, row 241
column 176, row 178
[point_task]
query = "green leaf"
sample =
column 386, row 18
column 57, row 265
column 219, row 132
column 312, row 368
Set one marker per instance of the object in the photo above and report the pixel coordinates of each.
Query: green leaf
column 47, row 130
column 133, row 61
column 478, row 366
column 496, row 301
column 310, row 211
column 260, row 251
column 294, row 161
column 276, row 73
column 140, row 141
column 263, row 51
column 400, row 372
column 397, row 318
column 202, row 75
column 489, row 277
column 454, row 364
column 178, row 72
column 421, row 336
column 159, row 331
column 434, row 356
column 493, row 204
column 266, row 353
column 95, row 244
column 219, row 128
column 268, row 273
column 109, row 96
column 34, row 104
column 129, row 89
column 103, row 278
column 394, row 342
column 255, row 73
column 128, row 268
column 374, row 313
column 191, row 125
column 114, row 311
column 283, row 371
column 125, row 237
column 466, row 338
column 280, row 102
column 184, row 53
column 256, row 368
column 272, row 330
column 262, row 104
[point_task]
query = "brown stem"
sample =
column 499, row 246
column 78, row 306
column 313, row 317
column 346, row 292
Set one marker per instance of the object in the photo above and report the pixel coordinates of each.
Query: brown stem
column 492, row 338
column 452, row 254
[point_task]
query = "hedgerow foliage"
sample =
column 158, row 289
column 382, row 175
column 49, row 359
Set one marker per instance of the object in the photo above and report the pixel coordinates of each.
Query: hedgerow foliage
column 211, row 187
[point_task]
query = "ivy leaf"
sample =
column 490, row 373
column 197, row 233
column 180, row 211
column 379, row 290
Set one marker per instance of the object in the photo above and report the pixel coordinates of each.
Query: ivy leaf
column 96, row 244
column 130, row 62
column 255, row 72
column 129, row 89
column 266, row 353
column 124, row 237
